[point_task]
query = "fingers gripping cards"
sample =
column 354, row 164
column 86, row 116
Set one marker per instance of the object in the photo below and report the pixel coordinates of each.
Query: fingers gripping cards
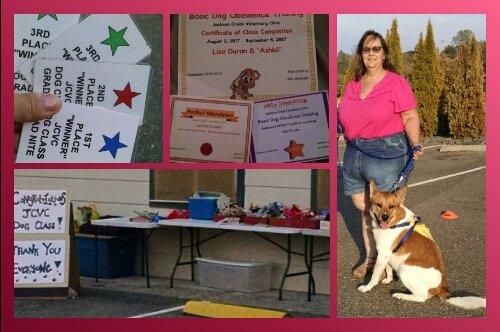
column 117, row 87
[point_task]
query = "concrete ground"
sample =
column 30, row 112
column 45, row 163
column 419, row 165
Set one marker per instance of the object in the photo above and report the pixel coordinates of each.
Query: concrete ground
column 462, row 241
column 129, row 297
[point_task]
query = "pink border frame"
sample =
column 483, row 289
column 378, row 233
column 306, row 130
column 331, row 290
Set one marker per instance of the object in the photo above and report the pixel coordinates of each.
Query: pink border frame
column 9, row 7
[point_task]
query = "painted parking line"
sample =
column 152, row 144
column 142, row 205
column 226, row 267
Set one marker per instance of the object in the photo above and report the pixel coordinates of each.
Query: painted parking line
column 441, row 177
column 155, row 313
column 425, row 147
column 446, row 176
column 433, row 146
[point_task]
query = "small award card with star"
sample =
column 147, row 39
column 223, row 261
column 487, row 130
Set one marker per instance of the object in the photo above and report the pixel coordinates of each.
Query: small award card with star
column 99, row 38
column 117, row 87
column 79, row 134
column 291, row 129
column 33, row 33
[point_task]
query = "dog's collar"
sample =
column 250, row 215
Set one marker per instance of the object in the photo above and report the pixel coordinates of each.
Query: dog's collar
column 415, row 220
column 410, row 219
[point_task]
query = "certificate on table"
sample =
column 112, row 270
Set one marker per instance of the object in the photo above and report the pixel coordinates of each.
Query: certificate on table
column 210, row 130
column 292, row 129
column 248, row 57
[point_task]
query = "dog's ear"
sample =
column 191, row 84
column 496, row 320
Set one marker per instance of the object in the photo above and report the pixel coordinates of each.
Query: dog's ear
column 401, row 194
column 373, row 188
column 256, row 74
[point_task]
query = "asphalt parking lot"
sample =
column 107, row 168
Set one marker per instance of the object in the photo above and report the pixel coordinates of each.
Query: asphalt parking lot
column 462, row 241
column 129, row 298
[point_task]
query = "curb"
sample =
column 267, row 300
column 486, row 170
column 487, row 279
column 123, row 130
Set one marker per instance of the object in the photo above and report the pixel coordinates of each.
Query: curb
column 462, row 148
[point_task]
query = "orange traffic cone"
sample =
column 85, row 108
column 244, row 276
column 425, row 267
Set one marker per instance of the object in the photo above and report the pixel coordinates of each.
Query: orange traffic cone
column 449, row 215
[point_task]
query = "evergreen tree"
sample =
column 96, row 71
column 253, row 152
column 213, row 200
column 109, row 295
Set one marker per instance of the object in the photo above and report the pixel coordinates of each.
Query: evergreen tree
column 343, row 60
column 462, row 37
column 349, row 74
column 427, row 81
column 465, row 97
column 394, row 44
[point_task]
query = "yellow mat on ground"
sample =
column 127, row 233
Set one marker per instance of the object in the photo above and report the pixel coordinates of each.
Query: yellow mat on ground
column 218, row 310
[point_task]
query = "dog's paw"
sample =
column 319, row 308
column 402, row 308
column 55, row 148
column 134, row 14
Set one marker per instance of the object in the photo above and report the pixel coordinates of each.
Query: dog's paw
column 386, row 281
column 399, row 296
column 364, row 288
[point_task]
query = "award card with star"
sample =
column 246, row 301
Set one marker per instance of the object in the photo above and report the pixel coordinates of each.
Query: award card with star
column 117, row 87
column 99, row 38
column 33, row 33
column 292, row 129
column 210, row 130
column 79, row 134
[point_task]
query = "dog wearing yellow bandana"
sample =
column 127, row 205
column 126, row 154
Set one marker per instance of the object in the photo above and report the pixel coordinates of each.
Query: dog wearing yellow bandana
column 407, row 247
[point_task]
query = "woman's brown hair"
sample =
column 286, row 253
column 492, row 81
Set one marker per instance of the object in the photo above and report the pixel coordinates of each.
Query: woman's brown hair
column 360, row 69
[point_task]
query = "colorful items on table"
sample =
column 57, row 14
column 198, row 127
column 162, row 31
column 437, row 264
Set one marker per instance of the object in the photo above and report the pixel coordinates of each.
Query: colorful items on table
column 277, row 214
column 324, row 219
column 146, row 216
column 296, row 213
column 178, row 214
column 232, row 211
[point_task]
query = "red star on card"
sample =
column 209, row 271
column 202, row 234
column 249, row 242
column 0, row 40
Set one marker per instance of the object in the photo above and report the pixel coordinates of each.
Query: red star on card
column 294, row 149
column 125, row 96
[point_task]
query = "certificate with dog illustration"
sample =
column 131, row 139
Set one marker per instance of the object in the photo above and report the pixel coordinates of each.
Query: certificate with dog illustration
column 246, row 57
column 292, row 129
column 210, row 130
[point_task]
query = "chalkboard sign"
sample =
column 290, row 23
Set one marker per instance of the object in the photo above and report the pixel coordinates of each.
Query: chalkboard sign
column 40, row 211
column 41, row 239
column 40, row 263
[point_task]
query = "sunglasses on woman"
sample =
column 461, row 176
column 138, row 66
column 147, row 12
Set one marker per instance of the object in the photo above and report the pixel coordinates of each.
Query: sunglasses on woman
column 375, row 49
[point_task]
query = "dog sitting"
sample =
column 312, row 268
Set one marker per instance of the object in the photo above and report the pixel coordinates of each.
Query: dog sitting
column 244, row 82
column 414, row 256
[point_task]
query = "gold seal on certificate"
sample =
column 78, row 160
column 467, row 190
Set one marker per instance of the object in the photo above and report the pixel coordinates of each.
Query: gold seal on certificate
column 291, row 129
column 210, row 130
column 246, row 56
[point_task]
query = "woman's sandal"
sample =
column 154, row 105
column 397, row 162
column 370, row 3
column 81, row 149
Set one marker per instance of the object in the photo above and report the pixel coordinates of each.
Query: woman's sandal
column 365, row 268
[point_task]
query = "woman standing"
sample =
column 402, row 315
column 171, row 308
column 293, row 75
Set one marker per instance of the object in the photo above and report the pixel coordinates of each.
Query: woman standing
column 380, row 123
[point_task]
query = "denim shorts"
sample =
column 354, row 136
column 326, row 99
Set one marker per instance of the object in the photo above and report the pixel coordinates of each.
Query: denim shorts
column 359, row 168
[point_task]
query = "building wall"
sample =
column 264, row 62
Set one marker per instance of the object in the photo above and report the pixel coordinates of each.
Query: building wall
column 120, row 192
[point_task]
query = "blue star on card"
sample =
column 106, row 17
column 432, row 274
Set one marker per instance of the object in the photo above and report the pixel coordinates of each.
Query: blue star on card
column 112, row 144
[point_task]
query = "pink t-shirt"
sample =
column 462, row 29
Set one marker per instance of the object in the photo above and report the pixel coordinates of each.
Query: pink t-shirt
column 377, row 115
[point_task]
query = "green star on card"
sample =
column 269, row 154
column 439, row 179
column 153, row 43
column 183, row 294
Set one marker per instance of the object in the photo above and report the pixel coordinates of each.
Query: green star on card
column 115, row 39
column 40, row 16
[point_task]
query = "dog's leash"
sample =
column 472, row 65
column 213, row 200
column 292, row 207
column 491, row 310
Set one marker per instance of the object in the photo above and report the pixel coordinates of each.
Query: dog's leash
column 408, row 234
column 403, row 175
